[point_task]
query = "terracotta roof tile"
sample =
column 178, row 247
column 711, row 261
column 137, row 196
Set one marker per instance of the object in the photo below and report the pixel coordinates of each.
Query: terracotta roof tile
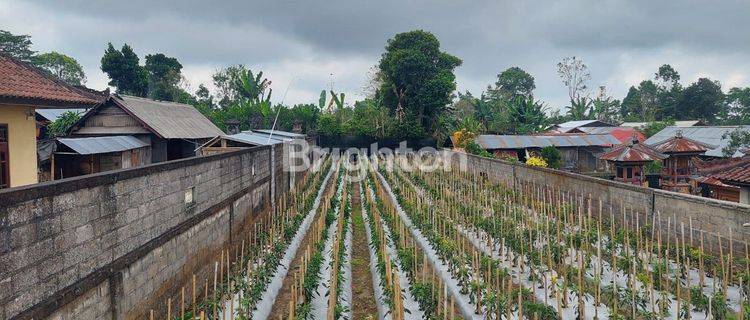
column 20, row 81
column 739, row 174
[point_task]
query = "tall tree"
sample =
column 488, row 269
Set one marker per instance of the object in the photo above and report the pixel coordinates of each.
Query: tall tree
column 511, row 83
column 738, row 105
column 125, row 73
column 669, row 92
column 164, row 74
column 702, row 100
column 417, row 78
column 16, row 46
column 61, row 66
column 575, row 76
column 527, row 115
column 226, row 81
column 605, row 107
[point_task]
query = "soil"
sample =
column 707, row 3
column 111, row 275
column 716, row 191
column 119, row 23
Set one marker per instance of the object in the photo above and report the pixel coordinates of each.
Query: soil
column 363, row 303
column 281, row 304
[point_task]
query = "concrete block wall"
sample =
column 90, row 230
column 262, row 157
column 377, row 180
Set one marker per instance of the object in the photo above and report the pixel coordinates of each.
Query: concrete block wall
column 663, row 208
column 120, row 241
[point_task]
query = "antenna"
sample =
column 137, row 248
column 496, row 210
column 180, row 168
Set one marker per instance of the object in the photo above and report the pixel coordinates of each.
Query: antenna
column 273, row 127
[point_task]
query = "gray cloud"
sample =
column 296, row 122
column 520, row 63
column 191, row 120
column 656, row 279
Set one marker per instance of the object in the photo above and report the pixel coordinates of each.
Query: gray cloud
column 304, row 42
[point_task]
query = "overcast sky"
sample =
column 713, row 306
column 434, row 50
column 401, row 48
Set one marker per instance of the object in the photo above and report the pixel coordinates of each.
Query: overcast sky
column 304, row 45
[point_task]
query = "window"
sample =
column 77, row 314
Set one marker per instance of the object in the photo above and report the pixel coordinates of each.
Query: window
column 619, row 172
column 4, row 157
column 630, row 173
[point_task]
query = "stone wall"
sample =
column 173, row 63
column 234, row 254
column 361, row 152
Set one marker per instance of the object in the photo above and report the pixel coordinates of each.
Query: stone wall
column 116, row 244
column 708, row 216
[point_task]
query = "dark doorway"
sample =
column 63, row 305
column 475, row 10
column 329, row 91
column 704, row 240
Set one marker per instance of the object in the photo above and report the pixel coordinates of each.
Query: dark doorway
column 4, row 157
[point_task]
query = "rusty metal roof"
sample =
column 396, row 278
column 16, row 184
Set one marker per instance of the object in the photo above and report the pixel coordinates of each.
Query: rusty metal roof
column 492, row 142
column 680, row 144
column 632, row 152
column 709, row 135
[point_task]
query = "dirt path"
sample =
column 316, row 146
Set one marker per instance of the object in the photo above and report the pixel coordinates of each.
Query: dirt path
column 363, row 303
column 281, row 304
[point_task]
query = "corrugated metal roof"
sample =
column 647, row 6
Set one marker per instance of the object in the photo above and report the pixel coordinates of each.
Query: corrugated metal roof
column 580, row 123
column 685, row 123
column 632, row 152
column 521, row 142
column 96, row 145
column 170, row 120
column 709, row 135
column 54, row 114
column 256, row 138
column 281, row 133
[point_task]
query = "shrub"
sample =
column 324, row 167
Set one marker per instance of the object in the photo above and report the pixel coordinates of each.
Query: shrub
column 552, row 156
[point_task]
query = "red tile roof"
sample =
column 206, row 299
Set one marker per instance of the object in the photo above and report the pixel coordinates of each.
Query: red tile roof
column 24, row 84
column 739, row 174
column 632, row 152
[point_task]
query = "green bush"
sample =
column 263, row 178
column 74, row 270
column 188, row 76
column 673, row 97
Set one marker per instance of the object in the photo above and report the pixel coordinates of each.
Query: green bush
column 552, row 156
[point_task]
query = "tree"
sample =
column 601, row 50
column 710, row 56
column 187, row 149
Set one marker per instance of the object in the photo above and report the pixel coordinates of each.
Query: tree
column 124, row 72
column 739, row 140
column 669, row 92
column 640, row 104
column 16, row 46
column 552, row 156
column 61, row 66
column 511, row 83
column 575, row 75
column 527, row 115
column 605, row 107
column 164, row 74
column 225, row 80
column 654, row 127
column 61, row 125
column 581, row 108
column 416, row 79
column 702, row 100
column 738, row 105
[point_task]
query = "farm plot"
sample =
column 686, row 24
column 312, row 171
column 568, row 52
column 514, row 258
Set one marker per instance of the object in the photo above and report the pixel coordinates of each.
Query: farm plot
column 574, row 262
column 410, row 244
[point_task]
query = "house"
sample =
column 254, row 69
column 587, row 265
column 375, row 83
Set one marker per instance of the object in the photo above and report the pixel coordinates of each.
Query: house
column 680, row 124
column 710, row 135
column 577, row 150
column 246, row 139
column 23, row 90
column 171, row 130
column 79, row 156
column 711, row 187
column 629, row 160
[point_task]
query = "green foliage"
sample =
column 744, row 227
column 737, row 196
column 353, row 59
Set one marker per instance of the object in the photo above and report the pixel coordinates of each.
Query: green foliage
column 61, row 66
column 527, row 115
column 581, row 108
column 474, row 148
column 701, row 100
column 164, row 74
column 654, row 127
column 738, row 140
column 417, row 80
column 125, row 73
column 653, row 167
column 16, row 46
column 511, row 83
column 60, row 126
column 738, row 106
column 552, row 156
